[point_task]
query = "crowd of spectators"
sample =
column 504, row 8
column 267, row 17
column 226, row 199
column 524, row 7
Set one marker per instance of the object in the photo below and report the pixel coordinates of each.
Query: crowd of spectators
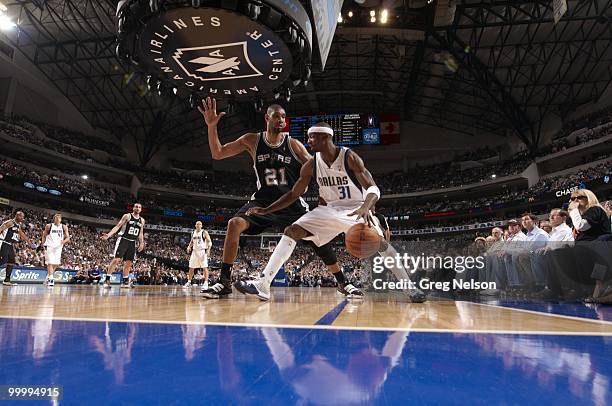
column 62, row 141
column 588, row 121
column 62, row 183
column 239, row 184
column 81, row 140
column 564, row 257
column 545, row 185
column 431, row 177
column 218, row 182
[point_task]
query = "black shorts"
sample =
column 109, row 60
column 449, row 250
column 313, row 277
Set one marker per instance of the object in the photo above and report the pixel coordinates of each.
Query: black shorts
column 7, row 254
column 280, row 219
column 125, row 249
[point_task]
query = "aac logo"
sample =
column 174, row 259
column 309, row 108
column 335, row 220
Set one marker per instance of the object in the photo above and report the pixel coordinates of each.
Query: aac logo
column 216, row 62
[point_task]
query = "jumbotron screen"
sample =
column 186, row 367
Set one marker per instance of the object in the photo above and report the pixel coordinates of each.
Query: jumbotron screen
column 349, row 129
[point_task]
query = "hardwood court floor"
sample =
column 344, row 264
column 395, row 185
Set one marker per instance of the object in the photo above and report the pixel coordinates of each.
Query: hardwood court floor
column 289, row 307
column 165, row 345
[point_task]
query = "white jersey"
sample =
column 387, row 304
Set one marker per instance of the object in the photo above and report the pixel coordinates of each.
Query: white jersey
column 199, row 240
column 55, row 236
column 338, row 186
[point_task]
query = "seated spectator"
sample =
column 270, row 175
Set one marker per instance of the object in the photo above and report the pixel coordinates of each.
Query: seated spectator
column 592, row 223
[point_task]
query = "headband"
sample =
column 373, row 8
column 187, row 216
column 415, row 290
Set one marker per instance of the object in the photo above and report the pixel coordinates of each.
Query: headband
column 325, row 130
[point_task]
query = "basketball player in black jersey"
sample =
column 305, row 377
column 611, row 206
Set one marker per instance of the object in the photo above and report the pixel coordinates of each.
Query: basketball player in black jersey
column 277, row 161
column 11, row 232
column 130, row 229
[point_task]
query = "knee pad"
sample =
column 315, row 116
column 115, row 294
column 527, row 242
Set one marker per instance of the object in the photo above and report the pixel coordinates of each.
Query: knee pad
column 326, row 253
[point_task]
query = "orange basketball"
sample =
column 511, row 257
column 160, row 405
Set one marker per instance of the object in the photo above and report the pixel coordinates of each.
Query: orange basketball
column 362, row 241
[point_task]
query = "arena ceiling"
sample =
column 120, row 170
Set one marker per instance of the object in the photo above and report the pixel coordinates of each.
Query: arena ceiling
column 465, row 65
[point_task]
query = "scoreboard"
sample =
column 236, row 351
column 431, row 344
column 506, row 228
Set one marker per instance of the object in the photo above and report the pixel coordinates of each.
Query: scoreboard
column 349, row 129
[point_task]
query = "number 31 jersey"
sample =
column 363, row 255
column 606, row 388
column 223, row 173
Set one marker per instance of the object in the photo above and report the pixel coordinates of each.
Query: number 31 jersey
column 338, row 185
column 277, row 169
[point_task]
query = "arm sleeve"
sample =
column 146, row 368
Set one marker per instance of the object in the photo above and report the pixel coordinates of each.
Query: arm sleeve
column 580, row 224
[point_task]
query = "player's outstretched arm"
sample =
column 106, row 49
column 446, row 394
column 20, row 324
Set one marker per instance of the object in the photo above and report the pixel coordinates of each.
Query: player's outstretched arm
column 218, row 150
column 120, row 224
column 366, row 181
column 299, row 188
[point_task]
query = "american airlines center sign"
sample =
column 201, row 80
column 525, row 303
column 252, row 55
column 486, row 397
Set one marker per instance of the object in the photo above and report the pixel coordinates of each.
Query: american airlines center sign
column 215, row 51
column 239, row 50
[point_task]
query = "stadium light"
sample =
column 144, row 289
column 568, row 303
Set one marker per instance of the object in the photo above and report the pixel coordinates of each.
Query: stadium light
column 493, row 176
column 340, row 17
column 373, row 19
column 6, row 23
column 372, row 13
column 84, row 177
column 350, row 13
column 383, row 16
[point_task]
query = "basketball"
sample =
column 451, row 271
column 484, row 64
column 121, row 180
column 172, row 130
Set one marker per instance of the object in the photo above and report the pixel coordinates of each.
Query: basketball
column 362, row 241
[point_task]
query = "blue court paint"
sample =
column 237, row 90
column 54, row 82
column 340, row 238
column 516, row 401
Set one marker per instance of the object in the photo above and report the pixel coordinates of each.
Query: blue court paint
column 587, row 311
column 140, row 363
column 332, row 315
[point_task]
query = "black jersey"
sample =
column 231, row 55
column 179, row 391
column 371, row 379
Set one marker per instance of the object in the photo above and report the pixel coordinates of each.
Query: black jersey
column 277, row 168
column 11, row 234
column 131, row 229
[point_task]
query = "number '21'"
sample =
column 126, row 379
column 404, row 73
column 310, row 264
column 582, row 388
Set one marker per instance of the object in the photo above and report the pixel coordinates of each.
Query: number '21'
column 345, row 192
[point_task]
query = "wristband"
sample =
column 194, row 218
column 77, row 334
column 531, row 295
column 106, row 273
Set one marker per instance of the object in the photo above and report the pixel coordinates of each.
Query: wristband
column 373, row 189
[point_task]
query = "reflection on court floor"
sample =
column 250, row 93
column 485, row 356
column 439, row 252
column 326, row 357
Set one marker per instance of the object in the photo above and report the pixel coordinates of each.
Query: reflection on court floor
column 435, row 353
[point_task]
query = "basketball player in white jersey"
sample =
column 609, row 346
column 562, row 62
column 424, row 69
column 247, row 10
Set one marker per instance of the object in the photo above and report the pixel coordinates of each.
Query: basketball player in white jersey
column 199, row 246
column 277, row 160
column 130, row 230
column 54, row 237
column 349, row 191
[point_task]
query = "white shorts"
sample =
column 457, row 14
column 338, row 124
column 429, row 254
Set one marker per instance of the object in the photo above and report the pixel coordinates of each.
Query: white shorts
column 53, row 255
column 325, row 223
column 198, row 259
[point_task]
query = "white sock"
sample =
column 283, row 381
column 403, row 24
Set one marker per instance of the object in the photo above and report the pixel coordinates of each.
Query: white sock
column 281, row 254
column 397, row 269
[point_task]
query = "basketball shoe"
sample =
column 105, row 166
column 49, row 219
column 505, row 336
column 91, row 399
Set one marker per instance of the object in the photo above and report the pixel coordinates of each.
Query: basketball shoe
column 218, row 290
column 350, row 291
column 256, row 287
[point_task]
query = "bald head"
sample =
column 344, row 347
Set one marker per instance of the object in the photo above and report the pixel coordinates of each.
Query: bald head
column 273, row 108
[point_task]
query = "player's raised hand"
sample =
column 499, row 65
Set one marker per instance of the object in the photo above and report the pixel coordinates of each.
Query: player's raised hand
column 255, row 211
column 209, row 111
column 363, row 213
